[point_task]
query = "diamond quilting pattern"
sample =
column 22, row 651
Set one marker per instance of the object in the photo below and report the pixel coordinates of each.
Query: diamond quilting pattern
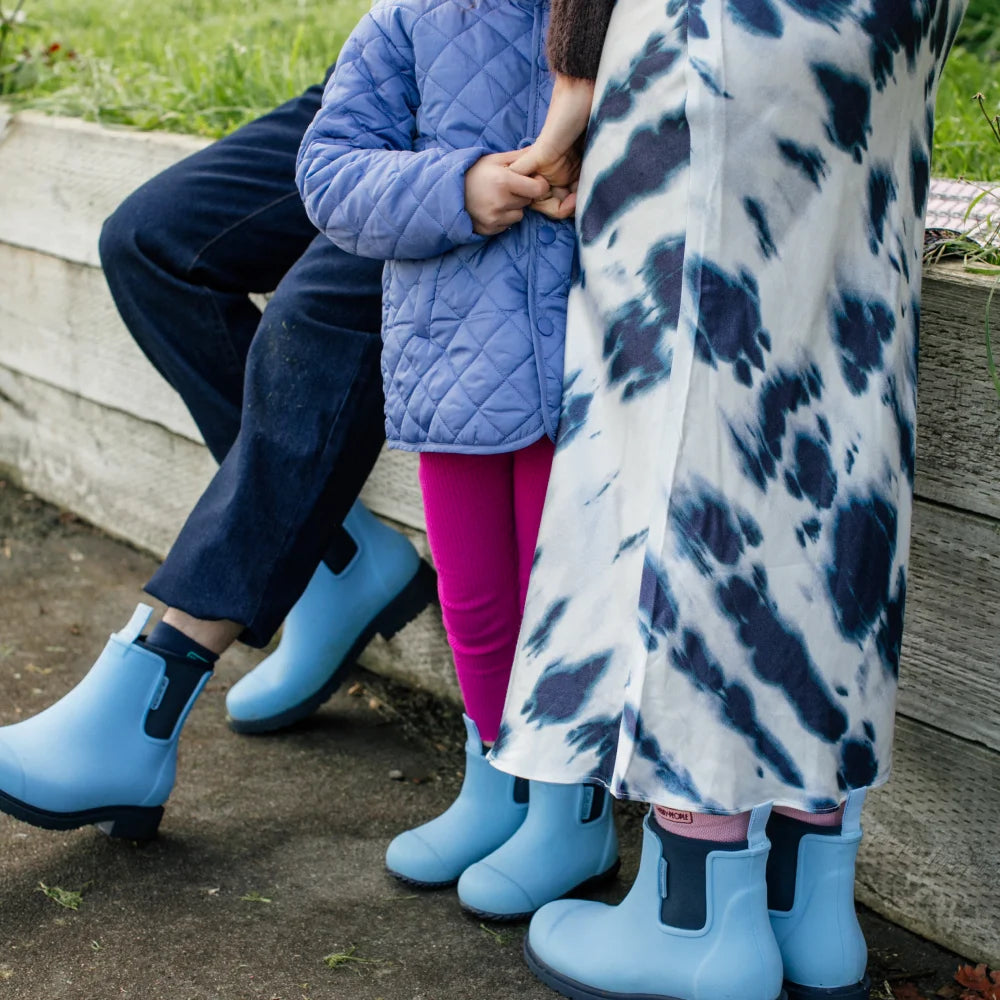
column 423, row 89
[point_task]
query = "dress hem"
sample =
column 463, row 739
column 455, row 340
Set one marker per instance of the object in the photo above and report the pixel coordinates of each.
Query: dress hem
column 685, row 804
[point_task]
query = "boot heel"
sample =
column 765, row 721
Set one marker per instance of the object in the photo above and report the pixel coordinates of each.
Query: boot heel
column 138, row 823
column 411, row 600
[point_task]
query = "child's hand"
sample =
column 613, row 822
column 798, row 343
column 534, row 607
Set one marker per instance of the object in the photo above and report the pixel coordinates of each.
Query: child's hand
column 495, row 196
column 560, row 204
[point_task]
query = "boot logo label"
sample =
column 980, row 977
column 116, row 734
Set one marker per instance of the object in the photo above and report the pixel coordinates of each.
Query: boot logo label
column 161, row 690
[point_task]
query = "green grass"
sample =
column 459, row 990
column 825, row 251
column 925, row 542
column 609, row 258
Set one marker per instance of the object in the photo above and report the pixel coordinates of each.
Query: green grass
column 206, row 66
column 963, row 146
column 199, row 66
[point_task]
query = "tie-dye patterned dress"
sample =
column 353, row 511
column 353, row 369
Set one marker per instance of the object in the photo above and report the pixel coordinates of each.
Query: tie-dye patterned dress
column 716, row 607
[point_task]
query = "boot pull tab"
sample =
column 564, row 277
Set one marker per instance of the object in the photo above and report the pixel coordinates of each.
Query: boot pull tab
column 136, row 624
column 851, row 823
column 474, row 742
column 756, row 835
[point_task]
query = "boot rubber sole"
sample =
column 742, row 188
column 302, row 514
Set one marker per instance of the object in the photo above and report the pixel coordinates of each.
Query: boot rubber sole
column 127, row 822
column 417, row 884
column 580, row 991
column 509, row 918
column 859, row 991
column 400, row 611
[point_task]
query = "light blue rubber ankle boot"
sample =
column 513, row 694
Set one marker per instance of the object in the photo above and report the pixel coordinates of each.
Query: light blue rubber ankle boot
column 490, row 807
column 694, row 926
column 385, row 585
column 90, row 757
column 566, row 844
column 810, row 881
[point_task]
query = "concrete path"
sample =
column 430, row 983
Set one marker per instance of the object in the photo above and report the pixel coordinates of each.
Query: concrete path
column 270, row 859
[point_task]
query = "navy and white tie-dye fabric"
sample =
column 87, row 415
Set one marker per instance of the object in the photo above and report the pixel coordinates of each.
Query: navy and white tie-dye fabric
column 715, row 613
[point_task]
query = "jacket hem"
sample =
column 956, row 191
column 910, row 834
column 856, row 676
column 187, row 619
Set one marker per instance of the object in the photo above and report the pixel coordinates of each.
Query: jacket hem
column 468, row 449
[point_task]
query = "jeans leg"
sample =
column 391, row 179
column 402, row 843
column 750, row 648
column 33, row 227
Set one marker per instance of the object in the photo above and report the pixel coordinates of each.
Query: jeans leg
column 182, row 253
column 312, row 426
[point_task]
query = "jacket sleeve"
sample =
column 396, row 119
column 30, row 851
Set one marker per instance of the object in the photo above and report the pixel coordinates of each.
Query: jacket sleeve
column 576, row 35
column 363, row 184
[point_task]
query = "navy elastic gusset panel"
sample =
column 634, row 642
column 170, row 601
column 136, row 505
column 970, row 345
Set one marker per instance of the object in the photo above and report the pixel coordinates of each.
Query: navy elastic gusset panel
column 785, row 833
column 685, row 905
column 341, row 550
column 596, row 804
column 181, row 677
column 521, row 786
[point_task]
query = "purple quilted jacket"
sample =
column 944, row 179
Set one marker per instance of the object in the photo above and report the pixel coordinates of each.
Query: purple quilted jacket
column 473, row 328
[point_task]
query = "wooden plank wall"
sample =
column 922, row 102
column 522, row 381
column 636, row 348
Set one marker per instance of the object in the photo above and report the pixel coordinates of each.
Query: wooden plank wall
column 86, row 422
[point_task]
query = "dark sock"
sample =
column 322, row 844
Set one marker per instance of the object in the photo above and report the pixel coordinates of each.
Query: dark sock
column 172, row 642
column 341, row 551
column 187, row 662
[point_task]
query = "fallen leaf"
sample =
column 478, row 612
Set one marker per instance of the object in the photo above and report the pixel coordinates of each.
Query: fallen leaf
column 980, row 983
column 906, row 991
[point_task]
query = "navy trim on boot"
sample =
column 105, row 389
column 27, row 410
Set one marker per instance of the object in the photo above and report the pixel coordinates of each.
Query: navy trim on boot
column 575, row 990
column 683, row 877
column 127, row 822
column 859, row 991
column 785, row 833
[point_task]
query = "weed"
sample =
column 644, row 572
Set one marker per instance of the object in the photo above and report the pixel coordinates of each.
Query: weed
column 64, row 897
column 341, row 958
column 500, row 937
column 254, row 897
column 982, row 254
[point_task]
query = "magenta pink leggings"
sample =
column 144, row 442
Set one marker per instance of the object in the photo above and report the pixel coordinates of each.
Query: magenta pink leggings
column 483, row 513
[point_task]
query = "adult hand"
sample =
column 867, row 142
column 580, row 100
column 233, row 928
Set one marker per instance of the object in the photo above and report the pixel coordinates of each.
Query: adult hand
column 555, row 154
column 496, row 196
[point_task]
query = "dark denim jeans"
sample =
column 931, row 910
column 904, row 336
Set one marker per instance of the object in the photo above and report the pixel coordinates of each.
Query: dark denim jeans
column 288, row 401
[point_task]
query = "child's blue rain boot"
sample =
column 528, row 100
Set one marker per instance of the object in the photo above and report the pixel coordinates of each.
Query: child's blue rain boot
column 384, row 586
column 810, row 890
column 694, row 926
column 566, row 844
column 105, row 753
column 490, row 807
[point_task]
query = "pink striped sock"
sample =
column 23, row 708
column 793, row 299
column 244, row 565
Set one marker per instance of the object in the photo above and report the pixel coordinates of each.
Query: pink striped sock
column 834, row 818
column 703, row 826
